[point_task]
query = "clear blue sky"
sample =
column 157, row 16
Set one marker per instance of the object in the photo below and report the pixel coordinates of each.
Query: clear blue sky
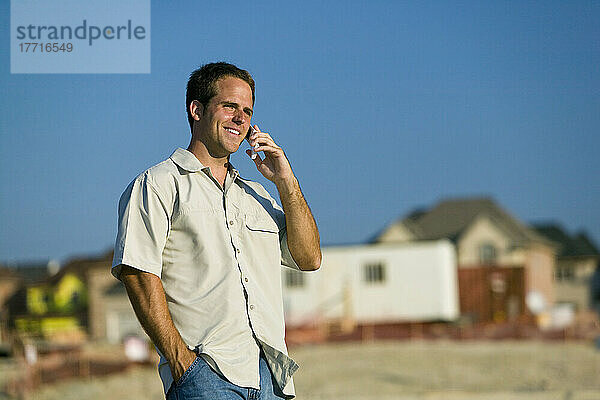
column 381, row 107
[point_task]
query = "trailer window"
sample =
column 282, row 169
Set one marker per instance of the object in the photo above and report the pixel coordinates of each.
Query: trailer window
column 374, row 273
column 294, row 279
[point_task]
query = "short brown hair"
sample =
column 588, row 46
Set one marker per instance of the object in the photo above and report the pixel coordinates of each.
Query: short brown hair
column 201, row 84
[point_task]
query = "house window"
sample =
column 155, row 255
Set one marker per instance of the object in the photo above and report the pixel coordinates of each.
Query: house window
column 374, row 273
column 487, row 253
column 294, row 279
column 565, row 273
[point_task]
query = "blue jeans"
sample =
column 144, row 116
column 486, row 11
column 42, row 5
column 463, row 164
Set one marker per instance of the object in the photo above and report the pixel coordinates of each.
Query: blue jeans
column 200, row 382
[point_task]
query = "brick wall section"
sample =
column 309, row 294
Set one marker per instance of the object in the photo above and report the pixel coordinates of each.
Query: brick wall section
column 492, row 294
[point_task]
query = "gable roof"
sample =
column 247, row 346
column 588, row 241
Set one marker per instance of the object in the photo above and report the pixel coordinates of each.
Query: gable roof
column 31, row 272
column 80, row 266
column 570, row 246
column 9, row 274
column 36, row 273
column 450, row 218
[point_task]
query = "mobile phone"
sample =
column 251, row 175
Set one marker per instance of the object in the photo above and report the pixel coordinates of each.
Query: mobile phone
column 253, row 153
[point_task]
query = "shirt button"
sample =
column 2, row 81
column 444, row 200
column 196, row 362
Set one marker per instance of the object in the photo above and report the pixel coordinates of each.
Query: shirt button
column 237, row 251
column 246, row 279
column 252, row 306
column 230, row 223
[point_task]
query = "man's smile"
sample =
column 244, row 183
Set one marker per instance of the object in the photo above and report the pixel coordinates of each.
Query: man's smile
column 233, row 130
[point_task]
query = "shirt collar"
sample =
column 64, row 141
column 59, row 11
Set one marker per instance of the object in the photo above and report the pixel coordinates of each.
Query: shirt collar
column 188, row 161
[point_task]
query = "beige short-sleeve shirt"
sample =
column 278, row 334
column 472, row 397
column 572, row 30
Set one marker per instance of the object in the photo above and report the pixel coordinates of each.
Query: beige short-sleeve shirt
column 218, row 252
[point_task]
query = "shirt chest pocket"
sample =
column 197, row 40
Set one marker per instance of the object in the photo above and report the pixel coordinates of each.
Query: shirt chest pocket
column 260, row 224
column 261, row 236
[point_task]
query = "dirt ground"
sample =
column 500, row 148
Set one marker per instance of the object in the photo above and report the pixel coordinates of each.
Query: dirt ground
column 419, row 370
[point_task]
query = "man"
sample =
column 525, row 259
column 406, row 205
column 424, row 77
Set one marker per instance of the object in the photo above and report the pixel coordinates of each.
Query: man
column 200, row 249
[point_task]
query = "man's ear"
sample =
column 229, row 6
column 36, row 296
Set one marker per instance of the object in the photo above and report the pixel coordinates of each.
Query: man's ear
column 196, row 110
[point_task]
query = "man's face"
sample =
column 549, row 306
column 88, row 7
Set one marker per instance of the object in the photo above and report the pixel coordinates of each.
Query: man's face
column 225, row 120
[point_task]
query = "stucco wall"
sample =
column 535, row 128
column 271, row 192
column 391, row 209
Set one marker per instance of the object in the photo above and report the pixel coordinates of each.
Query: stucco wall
column 539, row 271
column 573, row 292
column 483, row 230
